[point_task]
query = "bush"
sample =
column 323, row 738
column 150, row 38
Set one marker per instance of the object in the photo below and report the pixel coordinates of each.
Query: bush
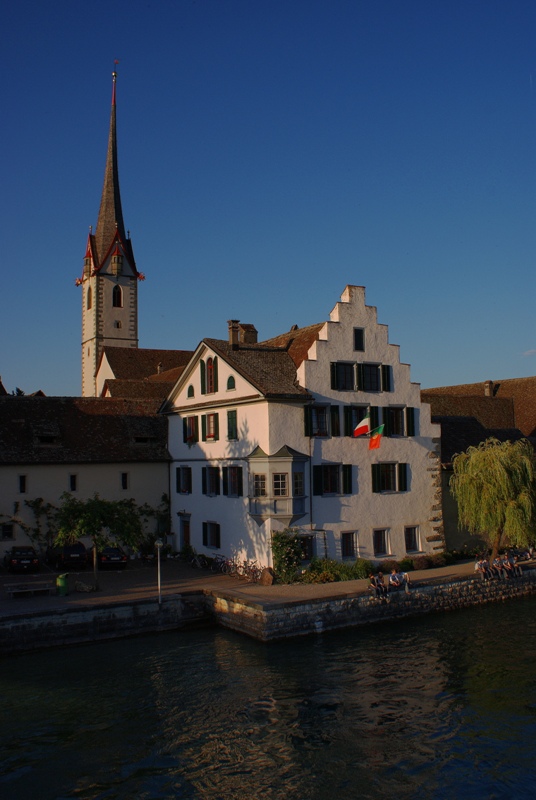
column 406, row 565
column 422, row 562
column 362, row 568
column 438, row 560
column 327, row 570
column 388, row 565
column 287, row 554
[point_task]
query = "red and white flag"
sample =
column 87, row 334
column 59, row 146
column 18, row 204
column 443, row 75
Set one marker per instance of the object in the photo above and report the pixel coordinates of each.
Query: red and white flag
column 362, row 427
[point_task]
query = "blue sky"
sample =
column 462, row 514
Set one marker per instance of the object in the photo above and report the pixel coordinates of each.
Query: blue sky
column 271, row 152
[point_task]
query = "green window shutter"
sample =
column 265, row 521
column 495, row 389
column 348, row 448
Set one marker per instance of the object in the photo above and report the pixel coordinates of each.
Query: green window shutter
column 360, row 376
column 335, row 420
column 204, row 480
column 376, row 477
column 217, row 480
column 387, row 378
column 203, row 374
column 196, row 429
column 410, row 421
column 347, row 479
column 232, row 427
column 225, row 476
column 184, row 430
column 203, row 428
column 402, row 477
column 188, row 487
column 317, row 479
column 333, row 375
column 215, row 369
column 217, row 536
column 216, row 427
column 307, row 414
column 205, row 534
column 374, row 417
column 177, row 479
column 347, row 415
column 240, row 482
column 386, row 419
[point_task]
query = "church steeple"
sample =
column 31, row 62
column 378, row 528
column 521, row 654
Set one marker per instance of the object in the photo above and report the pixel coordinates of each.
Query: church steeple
column 110, row 212
column 110, row 278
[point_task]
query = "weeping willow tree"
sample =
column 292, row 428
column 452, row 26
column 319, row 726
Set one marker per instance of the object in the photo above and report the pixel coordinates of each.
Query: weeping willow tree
column 494, row 485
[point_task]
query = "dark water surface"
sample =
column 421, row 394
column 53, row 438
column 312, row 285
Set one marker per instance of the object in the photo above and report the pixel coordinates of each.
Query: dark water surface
column 439, row 707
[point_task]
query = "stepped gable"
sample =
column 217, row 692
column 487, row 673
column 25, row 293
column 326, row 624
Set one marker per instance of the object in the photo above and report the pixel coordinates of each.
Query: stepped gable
column 58, row 430
column 522, row 392
column 297, row 342
column 269, row 368
column 133, row 363
column 491, row 412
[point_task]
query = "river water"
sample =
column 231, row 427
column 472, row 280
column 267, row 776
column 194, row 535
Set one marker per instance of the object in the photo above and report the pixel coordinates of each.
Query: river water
column 438, row 707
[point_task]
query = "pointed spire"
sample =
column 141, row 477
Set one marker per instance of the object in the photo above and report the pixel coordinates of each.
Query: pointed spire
column 110, row 213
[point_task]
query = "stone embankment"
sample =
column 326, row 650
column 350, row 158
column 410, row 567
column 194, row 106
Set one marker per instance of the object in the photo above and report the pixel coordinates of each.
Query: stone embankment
column 266, row 614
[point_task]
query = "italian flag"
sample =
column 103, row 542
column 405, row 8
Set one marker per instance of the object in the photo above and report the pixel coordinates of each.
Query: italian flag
column 362, row 427
column 375, row 438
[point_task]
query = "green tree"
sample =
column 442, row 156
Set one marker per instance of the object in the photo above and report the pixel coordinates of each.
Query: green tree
column 287, row 554
column 494, row 485
column 104, row 521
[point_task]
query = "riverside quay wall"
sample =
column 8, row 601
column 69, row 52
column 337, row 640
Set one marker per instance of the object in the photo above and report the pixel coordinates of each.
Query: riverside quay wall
column 265, row 621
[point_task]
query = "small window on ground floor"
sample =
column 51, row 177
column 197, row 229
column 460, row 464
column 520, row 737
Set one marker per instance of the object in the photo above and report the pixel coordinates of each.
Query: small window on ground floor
column 411, row 535
column 380, row 542
column 211, row 534
column 7, row 531
column 348, row 549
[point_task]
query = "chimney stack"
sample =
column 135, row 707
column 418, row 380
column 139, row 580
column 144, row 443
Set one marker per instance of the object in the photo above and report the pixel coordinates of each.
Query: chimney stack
column 488, row 388
column 233, row 333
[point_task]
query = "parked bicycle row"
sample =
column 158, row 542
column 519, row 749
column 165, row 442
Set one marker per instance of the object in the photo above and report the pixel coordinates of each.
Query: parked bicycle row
column 250, row 570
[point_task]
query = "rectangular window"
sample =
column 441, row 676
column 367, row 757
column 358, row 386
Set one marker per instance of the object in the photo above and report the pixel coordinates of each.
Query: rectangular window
column 23, row 484
column 387, row 378
column 380, row 542
column 359, row 339
column 6, row 531
column 348, row 544
column 211, row 534
column 316, row 421
column 124, row 480
column 332, row 479
column 280, row 484
column 209, row 427
column 299, row 484
column 190, row 430
column 369, row 379
column 389, row 477
column 411, row 536
column 232, row 481
column 343, row 376
column 393, row 419
column 411, row 426
column 183, row 480
column 232, row 427
column 211, row 481
column 352, row 417
column 259, row 485
column 72, row 483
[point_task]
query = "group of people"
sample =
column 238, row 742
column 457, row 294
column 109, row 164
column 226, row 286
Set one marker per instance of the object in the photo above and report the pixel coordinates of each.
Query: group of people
column 504, row 567
column 397, row 580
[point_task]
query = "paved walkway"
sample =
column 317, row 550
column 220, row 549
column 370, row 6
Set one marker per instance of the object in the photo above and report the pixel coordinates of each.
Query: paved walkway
column 139, row 582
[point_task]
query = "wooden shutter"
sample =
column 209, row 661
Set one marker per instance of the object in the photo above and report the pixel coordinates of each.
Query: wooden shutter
column 188, row 480
column 217, row 536
column 203, row 427
column 347, row 479
column 205, row 534
column 307, row 415
column 410, row 421
column 178, row 479
column 335, row 420
column 360, row 376
column 204, row 480
column 402, row 477
column 376, row 481
column 217, row 473
column 240, row 482
column 184, row 430
column 386, row 419
column 225, row 479
column 348, row 420
column 387, row 381
column 203, row 375
column 317, row 479
column 374, row 417
column 215, row 372
column 333, row 375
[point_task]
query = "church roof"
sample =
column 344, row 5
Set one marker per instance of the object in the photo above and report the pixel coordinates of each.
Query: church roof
column 75, row 430
column 134, row 363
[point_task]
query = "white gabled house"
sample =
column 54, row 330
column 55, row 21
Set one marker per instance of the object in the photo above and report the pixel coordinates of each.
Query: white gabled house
column 261, row 438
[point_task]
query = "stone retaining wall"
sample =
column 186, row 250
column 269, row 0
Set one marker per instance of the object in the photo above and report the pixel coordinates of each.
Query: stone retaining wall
column 278, row 621
column 266, row 622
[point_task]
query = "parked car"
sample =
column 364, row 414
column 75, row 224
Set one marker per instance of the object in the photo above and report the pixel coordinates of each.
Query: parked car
column 22, row 559
column 112, row 557
column 67, row 556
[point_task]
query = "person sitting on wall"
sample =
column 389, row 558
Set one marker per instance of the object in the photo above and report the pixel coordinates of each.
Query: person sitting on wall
column 482, row 566
column 516, row 566
column 380, row 580
column 399, row 580
column 507, row 566
column 497, row 568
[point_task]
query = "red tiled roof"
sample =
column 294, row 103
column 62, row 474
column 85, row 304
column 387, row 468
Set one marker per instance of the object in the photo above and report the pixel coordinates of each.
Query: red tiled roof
column 134, row 363
column 491, row 412
column 297, row 341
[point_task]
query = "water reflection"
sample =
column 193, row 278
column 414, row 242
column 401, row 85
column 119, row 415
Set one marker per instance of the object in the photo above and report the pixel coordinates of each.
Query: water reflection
column 439, row 707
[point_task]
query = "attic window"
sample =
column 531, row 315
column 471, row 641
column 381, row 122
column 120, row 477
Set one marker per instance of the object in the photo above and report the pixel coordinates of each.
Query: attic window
column 144, row 439
column 231, row 382
column 190, row 391
column 47, row 439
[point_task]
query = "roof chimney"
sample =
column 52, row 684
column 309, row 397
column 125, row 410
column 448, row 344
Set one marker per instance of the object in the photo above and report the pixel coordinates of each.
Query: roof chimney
column 248, row 333
column 233, row 333
column 488, row 388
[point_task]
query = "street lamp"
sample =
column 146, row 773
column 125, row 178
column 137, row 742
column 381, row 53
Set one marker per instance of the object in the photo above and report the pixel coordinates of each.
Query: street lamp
column 159, row 544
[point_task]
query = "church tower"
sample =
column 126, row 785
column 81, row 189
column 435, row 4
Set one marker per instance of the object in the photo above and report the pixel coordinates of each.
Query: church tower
column 110, row 278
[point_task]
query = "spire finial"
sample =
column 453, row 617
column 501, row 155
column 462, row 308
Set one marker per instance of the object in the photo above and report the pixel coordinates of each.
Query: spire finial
column 114, row 79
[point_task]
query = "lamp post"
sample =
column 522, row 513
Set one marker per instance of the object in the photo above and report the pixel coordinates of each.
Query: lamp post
column 159, row 544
